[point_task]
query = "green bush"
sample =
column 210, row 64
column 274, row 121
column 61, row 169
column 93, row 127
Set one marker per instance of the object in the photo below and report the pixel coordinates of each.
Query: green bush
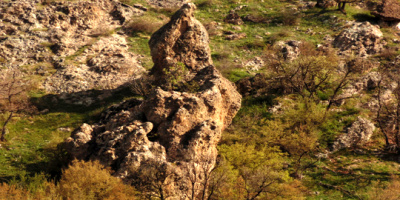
column 90, row 180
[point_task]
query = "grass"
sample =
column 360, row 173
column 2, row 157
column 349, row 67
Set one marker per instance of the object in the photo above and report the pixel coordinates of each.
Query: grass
column 349, row 170
column 32, row 145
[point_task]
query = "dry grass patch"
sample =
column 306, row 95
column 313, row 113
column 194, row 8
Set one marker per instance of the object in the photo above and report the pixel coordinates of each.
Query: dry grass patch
column 145, row 24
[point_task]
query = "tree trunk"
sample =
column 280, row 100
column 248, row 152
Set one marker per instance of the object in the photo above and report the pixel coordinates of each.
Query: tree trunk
column 3, row 131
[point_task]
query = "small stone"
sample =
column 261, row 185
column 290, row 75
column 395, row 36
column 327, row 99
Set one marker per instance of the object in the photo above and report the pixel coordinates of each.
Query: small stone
column 237, row 28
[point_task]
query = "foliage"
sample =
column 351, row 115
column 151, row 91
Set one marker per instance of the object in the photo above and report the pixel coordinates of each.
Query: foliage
column 11, row 192
column 177, row 78
column 305, row 75
column 90, row 180
column 259, row 170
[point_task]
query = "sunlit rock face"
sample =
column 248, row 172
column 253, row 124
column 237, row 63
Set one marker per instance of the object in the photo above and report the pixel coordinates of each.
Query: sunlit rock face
column 184, row 127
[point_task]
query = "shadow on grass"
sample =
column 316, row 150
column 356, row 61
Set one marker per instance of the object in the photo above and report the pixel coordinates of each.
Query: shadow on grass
column 41, row 154
column 82, row 102
column 362, row 17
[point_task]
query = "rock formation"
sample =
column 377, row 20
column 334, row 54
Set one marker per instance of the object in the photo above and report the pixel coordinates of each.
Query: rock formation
column 75, row 38
column 388, row 10
column 360, row 38
column 290, row 49
column 358, row 133
column 178, row 130
column 171, row 44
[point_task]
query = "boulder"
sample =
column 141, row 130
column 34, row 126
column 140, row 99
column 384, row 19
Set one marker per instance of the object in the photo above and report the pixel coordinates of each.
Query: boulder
column 184, row 39
column 176, row 130
column 235, row 36
column 256, row 85
column 357, row 134
column 289, row 49
column 388, row 10
column 361, row 38
column 254, row 64
column 233, row 18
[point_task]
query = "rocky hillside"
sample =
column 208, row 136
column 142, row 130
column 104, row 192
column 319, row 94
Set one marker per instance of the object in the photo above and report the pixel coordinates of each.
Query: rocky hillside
column 202, row 99
column 76, row 39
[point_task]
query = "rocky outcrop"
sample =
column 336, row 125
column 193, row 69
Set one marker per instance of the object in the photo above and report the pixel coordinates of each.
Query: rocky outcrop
column 254, row 64
column 388, row 10
column 74, row 37
column 106, row 64
column 358, row 133
column 184, row 39
column 257, row 85
column 178, row 130
column 233, row 18
column 290, row 50
column 361, row 38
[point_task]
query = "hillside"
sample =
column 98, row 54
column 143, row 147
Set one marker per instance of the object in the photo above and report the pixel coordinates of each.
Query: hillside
column 207, row 99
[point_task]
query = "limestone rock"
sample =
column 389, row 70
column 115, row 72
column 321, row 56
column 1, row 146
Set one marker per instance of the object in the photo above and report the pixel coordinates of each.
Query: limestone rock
column 254, row 64
column 57, row 34
column 236, row 36
column 184, row 39
column 177, row 130
column 107, row 65
column 233, row 18
column 289, row 49
column 360, row 38
column 358, row 133
column 388, row 10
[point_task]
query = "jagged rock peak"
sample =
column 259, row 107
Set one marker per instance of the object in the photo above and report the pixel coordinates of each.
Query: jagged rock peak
column 183, row 40
column 175, row 130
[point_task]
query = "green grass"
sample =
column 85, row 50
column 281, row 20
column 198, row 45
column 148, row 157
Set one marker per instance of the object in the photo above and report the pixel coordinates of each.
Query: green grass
column 33, row 141
column 139, row 44
column 349, row 170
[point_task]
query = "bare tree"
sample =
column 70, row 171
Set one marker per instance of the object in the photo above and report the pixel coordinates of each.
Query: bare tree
column 388, row 115
column 152, row 178
column 352, row 67
column 13, row 95
column 259, row 181
column 205, row 175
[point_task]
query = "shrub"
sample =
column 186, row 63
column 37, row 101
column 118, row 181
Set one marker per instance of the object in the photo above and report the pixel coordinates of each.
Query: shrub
column 90, row 180
column 11, row 192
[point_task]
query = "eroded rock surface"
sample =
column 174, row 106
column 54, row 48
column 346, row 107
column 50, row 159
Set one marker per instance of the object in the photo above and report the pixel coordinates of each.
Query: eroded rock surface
column 358, row 133
column 178, row 130
column 388, row 10
column 361, row 38
column 184, row 39
column 74, row 37
column 290, row 49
